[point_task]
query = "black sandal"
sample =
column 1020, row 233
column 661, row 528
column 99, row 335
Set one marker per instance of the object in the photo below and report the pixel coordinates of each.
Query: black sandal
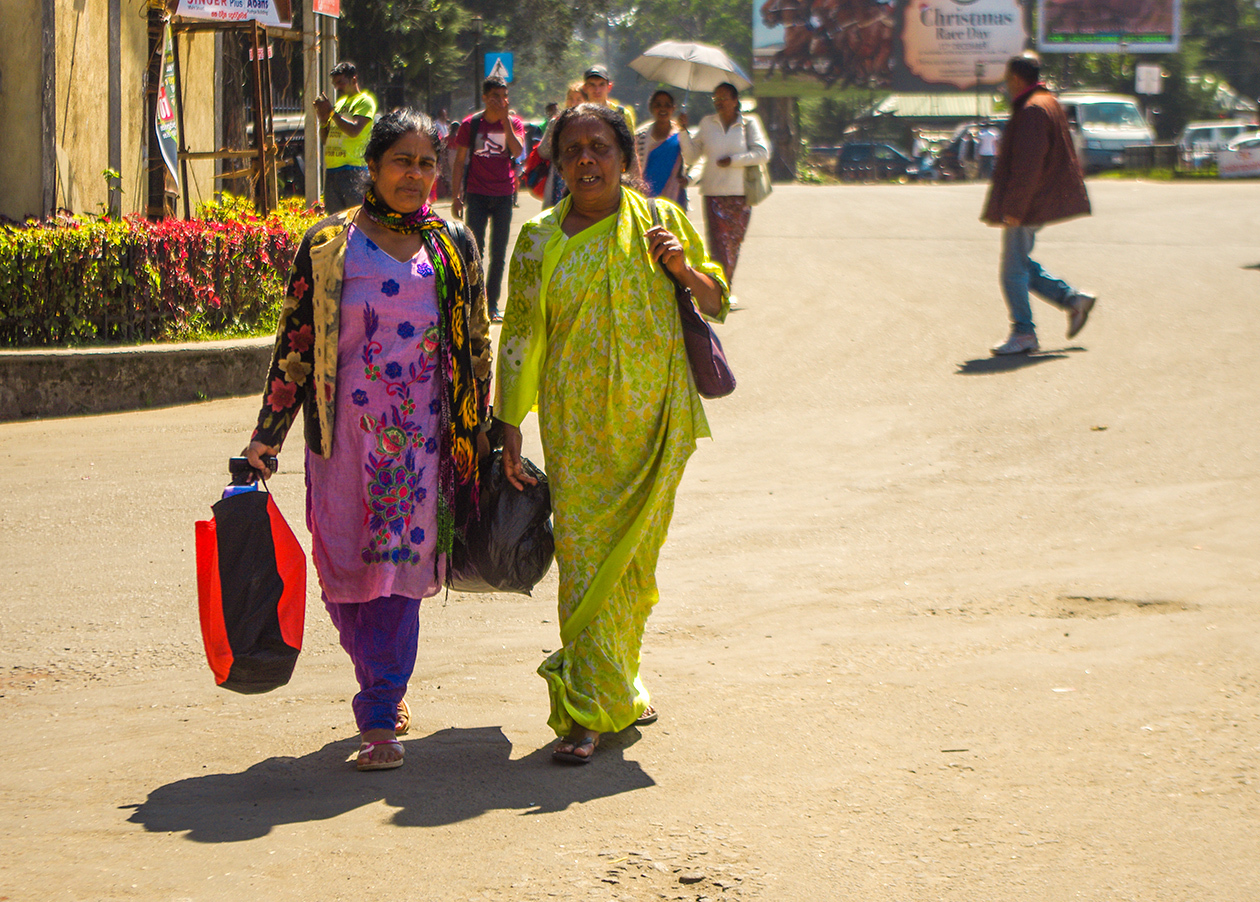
column 571, row 756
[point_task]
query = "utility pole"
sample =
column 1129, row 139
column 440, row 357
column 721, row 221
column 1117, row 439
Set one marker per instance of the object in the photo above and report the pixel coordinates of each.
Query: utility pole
column 312, row 153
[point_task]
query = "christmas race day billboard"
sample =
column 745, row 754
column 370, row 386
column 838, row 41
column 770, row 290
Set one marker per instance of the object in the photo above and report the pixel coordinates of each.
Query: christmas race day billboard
column 805, row 48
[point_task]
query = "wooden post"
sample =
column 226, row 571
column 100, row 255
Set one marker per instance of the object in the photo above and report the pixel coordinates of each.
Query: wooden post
column 48, row 108
column 310, row 90
column 114, row 154
column 260, row 136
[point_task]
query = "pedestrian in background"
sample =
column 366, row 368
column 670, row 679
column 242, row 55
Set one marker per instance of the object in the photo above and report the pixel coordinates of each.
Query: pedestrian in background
column 592, row 334
column 727, row 141
column 986, row 148
column 555, row 188
column 395, row 402
column 344, row 129
column 1037, row 180
column 483, row 179
column 597, row 86
column 659, row 150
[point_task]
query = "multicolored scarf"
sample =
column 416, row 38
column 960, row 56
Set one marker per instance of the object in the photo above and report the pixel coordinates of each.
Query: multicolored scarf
column 388, row 218
column 462, row 401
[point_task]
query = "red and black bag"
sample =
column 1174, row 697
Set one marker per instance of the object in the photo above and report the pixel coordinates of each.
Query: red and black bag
column 251, row 588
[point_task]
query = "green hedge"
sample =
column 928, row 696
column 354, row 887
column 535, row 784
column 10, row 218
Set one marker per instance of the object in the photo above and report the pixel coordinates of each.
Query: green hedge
column 87, row 280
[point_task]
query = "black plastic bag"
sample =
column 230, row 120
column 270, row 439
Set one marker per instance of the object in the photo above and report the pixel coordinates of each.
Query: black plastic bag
column 510, row 547
column 251, row 588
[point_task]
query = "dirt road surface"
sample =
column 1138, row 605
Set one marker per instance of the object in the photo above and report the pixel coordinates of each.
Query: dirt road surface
column 933, row 626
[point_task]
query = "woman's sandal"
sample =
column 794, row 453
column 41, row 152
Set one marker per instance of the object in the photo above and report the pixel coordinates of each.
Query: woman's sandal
column 648, row 716
column 365, row 762
column 402, row 722
column 571, row 756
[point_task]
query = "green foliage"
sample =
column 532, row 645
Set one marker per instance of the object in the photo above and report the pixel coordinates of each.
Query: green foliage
column 78, row 280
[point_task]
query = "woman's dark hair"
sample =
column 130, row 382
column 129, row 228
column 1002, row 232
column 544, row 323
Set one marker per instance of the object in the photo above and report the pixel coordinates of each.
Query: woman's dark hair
column 607, row 115
column 658, row 93
column 1026, row 68
column 392, row 126
column 730, row 87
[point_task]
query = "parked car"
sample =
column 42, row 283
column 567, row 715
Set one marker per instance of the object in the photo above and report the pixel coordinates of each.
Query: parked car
column 1199, row 142
column 865, row 161
column 959, row 159
column 1240, row 158
column 1103, row 125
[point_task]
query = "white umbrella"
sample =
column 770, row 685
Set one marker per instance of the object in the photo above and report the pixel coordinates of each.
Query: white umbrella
column 692, row 67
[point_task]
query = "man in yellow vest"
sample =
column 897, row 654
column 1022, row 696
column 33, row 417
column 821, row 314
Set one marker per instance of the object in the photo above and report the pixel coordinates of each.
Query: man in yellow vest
column 344, row 130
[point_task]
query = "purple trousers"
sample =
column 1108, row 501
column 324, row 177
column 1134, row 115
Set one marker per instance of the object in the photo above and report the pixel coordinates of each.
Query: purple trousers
column 381, row 637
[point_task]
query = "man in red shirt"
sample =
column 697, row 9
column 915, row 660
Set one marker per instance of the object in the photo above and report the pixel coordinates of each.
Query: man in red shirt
column 483, row 179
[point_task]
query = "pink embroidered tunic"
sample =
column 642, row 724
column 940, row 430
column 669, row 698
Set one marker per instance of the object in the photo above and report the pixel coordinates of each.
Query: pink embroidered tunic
column 372, row 506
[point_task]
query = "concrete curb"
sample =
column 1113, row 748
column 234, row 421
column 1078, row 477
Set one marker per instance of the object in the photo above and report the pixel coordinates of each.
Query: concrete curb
column 59, row 383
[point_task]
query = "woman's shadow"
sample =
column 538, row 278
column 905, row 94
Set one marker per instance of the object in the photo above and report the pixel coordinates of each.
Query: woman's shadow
column 450, row 776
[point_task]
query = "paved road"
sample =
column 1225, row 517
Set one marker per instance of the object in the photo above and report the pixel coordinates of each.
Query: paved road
column 933, row 626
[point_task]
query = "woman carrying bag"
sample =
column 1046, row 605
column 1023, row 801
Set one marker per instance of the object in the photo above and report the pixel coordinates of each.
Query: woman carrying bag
column 384, row 341
column 728, row 141
column 592, row 333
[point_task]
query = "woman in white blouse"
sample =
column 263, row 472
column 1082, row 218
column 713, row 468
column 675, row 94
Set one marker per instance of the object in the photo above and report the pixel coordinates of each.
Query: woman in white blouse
column 729, row 142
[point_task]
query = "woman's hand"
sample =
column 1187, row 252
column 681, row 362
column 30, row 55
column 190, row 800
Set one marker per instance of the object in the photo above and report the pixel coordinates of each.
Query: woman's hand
column 483, row 445
column 724, row 162
column 512, row 467
column 254, row 452
column 668, row 250
column 682, row 120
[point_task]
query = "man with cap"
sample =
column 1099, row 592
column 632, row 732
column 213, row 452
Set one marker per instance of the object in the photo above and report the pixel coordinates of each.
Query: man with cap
column 598, row 86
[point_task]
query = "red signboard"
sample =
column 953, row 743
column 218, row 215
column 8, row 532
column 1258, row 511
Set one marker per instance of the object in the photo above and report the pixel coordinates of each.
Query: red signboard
column 328, row 7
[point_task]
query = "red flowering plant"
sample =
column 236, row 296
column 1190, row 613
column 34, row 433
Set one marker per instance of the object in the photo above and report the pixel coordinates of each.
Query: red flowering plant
column 71, row 280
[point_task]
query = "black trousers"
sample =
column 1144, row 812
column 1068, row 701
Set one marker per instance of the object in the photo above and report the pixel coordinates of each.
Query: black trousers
column 480, row 209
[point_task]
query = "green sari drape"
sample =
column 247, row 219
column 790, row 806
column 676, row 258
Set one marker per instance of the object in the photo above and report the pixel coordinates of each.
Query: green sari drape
column 591, row 331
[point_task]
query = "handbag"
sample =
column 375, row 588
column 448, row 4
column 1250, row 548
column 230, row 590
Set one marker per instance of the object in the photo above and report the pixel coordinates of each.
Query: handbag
column 536, row 170
column 251, row 590
column 709, row 367
column 757, row 185
column 509, row 546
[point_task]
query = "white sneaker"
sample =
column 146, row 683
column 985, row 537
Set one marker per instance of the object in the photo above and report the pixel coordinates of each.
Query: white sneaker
column 1078, row 315
column 1018, row 343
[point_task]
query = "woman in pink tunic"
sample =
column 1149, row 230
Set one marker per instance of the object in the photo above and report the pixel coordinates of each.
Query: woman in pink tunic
column 384, row 341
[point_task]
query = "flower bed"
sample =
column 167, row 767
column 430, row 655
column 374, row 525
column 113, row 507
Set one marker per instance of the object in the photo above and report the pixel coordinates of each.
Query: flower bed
column 87, row 280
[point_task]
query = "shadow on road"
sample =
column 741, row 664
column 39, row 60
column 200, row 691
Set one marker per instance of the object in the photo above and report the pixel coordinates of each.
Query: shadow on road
column 982, row 366
column 450, row 776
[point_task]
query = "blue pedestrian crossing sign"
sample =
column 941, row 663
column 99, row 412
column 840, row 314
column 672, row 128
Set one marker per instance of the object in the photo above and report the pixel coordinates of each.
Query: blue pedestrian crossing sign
column 499, row 65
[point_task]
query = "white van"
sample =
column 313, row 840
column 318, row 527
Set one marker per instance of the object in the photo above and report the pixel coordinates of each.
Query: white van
column 1103, row 125
column 1199, row 142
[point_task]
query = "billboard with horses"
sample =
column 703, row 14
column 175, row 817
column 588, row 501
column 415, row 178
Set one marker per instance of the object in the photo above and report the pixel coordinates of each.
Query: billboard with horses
column 1108, row 26
column 809, row 48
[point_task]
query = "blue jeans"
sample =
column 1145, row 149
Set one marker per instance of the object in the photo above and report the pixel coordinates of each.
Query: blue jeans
column 478, row 210
column 1021, row 273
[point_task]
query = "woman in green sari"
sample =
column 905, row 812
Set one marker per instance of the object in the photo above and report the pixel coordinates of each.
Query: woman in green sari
column 591, row 334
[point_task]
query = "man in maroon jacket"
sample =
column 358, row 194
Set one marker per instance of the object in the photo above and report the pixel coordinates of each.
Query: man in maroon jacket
column 1037, row 180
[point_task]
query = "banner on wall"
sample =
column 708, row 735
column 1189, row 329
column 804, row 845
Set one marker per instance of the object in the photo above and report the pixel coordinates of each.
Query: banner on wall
column 278, row 13
column 1108, row 26
column 166, row 114
column 810, row 48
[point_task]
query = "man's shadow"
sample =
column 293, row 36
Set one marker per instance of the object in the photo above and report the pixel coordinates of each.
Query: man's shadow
column 1007, row 363
column 450, row 776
